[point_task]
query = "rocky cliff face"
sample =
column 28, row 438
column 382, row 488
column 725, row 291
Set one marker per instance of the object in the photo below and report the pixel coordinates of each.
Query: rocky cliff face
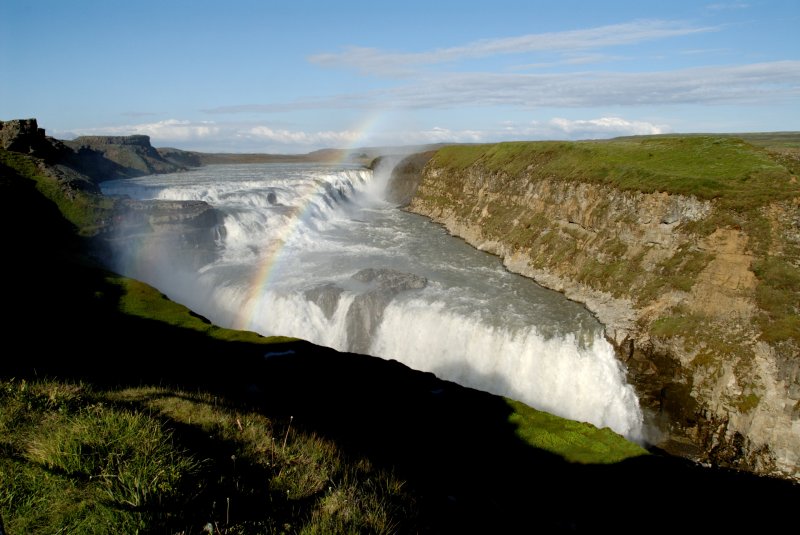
column 53, row 157
column 89, row 160
column 110, row 157
column 677, row 292
column 76, row 167
column 23, row 135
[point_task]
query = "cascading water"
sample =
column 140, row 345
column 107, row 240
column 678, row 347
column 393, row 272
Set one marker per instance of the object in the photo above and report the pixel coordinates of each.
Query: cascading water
column 313, row 251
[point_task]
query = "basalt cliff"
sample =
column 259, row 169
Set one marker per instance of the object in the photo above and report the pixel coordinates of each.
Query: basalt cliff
column 686, row 248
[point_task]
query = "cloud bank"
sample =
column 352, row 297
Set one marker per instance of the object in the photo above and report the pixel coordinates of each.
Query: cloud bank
column 240, row 137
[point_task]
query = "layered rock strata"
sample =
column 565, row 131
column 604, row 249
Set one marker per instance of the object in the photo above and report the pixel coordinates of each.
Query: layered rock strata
column 679, row 304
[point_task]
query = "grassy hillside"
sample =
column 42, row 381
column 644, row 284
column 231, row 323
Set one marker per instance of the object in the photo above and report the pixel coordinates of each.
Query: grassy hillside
column 122, row 411
column 736, row 173
column 744, row 180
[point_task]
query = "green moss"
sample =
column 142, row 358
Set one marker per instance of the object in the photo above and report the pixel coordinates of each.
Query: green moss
column 574, row 441
column 605, row 276
column 678, row 324
column 615, row 247
column 778, row 295
column 678, row 272
column 748, row 402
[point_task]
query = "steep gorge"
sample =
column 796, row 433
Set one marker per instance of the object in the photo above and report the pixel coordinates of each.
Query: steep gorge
column 698, row 290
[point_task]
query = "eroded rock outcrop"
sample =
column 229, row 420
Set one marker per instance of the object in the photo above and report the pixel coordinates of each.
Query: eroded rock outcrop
column 676, row 289
column 23, row 135
column 111, row 157
column 51, row 156
column 76, row 167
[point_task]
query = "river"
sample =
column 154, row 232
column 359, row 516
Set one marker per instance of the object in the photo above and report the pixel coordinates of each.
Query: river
column 315, row 252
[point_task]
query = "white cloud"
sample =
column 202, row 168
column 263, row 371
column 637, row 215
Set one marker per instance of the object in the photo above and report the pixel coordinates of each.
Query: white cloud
column 721, row 6
column 602, row 127
column 436, row 134
column 161, row 131
column 555, row 128
column 173, row 129
column 740, row 84
column 709, row 85
column 248, row 137
column 584, row 59
column 232, row 136
column 297, row 137
column 376, row 61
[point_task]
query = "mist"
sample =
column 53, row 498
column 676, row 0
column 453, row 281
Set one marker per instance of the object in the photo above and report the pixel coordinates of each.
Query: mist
column 315, row 252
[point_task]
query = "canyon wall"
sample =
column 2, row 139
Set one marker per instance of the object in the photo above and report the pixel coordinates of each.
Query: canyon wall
column 678, row 280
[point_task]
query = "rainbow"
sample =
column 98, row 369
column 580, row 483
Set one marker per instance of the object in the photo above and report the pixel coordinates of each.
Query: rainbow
column 270, row 263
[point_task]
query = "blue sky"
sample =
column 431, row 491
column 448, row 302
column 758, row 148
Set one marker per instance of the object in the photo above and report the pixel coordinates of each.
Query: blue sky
column 291, row 77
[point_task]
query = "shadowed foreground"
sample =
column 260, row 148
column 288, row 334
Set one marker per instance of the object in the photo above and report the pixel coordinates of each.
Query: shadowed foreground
column 455, row 451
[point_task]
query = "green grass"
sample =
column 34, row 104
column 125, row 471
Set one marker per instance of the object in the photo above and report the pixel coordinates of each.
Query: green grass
column 118, row 463
column 574, row 441
column 778, row 295
column 142, row 300
column 85, row 211
column 129, row 460
column 738, row 174
column 130, row 457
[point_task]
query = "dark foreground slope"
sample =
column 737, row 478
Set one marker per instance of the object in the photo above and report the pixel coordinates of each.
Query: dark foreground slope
column 268, row 435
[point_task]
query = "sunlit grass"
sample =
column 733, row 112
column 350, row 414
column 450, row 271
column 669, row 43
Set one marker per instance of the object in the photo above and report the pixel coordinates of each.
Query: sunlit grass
column 135, row 459
column 144, row 301
column 737, row 173
column 574, row 441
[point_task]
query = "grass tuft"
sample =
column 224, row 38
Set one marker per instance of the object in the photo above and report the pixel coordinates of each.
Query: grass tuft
column 130, row 455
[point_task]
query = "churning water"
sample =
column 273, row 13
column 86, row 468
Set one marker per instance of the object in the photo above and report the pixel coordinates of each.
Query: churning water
column 314, row 252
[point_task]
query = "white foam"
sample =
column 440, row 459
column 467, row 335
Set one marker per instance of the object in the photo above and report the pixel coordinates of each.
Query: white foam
column 290, row 228
column 559, row 374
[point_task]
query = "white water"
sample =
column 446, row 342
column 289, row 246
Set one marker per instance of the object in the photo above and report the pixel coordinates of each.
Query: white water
column 291, row 228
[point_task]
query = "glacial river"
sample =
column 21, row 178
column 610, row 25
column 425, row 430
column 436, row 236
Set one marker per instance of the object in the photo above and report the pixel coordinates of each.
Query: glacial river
column 314, row 252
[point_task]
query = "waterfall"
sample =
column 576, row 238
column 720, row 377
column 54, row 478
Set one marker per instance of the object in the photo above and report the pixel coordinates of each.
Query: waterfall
column 313, row 251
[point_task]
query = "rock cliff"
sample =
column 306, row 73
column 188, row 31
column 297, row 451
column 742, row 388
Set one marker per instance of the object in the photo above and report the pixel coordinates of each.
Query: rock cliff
column 109, row 157
column 86, row 161
column 699, row 292
column 69, row 173
column 53, row 157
